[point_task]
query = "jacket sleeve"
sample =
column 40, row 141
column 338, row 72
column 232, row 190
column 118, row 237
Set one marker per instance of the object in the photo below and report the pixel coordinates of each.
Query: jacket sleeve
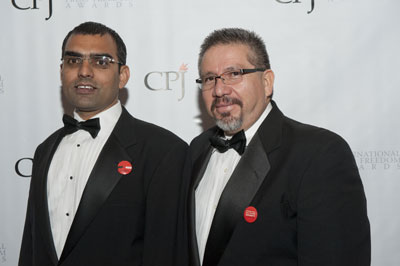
column 163, row 226
column 26, row 252
column 333, row 227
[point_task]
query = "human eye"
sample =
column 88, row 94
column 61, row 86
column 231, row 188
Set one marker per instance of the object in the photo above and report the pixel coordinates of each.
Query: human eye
column 209, row 79
column 71, row 60
column 102, row 61
column 233, row 74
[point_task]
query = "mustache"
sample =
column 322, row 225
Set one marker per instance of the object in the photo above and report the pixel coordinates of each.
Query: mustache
column 226, row 100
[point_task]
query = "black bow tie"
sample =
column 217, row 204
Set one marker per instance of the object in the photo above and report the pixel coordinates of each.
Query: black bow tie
column 237, row 142
column 71, row 125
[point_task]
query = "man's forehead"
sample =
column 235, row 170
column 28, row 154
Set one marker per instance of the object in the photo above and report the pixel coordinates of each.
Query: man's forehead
column 91, row 43
column 225, row 57
column 86, row 37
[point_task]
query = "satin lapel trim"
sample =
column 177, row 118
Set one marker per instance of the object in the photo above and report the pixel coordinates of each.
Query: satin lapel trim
column 41, row 205
column 240, row 190
column 101, row 182
column 245, row 181
column 199, row 167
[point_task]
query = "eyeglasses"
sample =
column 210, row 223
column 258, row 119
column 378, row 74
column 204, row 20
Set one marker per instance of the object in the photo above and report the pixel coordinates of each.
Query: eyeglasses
column 95, row 61
column 230, row 77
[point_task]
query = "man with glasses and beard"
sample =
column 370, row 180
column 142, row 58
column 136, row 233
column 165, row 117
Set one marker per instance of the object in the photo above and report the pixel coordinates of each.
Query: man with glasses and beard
column 265, row 189
column 105, row 187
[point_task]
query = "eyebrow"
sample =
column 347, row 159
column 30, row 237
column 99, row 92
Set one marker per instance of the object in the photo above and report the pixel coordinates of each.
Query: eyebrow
column 72, row 53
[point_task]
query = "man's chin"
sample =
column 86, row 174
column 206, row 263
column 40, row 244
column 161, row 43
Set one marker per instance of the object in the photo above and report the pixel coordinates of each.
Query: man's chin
column 229, row 124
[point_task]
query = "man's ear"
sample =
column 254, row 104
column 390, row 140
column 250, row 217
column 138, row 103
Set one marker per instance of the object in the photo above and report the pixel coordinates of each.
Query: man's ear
column 124, row 75
column 268, row 79
column 61, row 69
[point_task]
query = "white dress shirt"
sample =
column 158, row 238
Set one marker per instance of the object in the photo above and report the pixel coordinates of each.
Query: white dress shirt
column 219, row 170
column 69, row 171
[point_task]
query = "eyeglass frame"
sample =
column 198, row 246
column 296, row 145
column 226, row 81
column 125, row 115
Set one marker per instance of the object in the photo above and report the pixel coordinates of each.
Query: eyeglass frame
column 242, row 71
column 89, row 57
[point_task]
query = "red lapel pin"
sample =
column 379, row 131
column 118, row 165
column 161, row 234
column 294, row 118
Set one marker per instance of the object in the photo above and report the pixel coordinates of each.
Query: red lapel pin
column 124, row 167
column 250, row 214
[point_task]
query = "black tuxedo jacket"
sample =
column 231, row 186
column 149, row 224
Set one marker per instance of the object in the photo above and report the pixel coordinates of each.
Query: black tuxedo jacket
column 121, row 219
column 303, row 182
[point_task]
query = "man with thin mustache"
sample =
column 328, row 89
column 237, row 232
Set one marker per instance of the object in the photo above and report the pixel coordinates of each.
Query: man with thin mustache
column 105, row 187
column 265, row 189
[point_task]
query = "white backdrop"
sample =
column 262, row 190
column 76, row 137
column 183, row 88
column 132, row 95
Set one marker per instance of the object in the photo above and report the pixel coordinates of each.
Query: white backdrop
column 336, row 67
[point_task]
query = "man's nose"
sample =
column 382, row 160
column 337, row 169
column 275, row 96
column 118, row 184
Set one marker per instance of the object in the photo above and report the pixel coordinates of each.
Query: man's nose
column 85, row 69
column 220, row 88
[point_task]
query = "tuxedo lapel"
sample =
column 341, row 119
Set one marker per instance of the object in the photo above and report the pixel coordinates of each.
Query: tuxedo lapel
column 198, row 169
column 43, row 219
column 200, row 166
column 102, row 180
column 241, row 188
column 270, row 131
column 245, row 181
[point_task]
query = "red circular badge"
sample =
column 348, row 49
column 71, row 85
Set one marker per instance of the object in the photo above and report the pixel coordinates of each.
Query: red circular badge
column 250, row 214
column 124, row 167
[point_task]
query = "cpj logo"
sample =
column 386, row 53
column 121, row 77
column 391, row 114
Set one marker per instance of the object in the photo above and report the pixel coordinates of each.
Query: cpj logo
column 297, row 2
column 167, row 80
column 23, row 5
column 33, row 4
column 23, row 167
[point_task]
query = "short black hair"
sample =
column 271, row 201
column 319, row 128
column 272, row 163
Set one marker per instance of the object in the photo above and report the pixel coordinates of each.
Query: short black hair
column 94, row 28
column 259, row 58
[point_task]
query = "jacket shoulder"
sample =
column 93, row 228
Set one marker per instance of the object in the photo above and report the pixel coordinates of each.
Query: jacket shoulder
column 50, row 140
column 309, row 134
column 201, row 142
column 201, row 139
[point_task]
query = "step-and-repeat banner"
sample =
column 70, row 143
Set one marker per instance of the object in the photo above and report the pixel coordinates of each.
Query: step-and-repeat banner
column 336, row 63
